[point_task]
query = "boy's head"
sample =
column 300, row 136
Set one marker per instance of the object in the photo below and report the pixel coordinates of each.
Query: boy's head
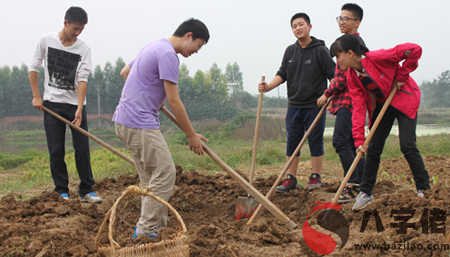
column 350, row 18
column 74, row 22
column 76, row 14
column 301, row 25
column 194, row 34
column 198, row 29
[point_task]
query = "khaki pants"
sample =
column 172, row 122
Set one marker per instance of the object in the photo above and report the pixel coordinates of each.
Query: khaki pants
column 156, row 168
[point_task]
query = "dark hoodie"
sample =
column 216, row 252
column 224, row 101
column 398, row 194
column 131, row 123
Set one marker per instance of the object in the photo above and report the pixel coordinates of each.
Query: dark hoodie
column 306, row 71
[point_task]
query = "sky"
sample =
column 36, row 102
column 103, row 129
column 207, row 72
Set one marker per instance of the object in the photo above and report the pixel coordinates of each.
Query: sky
column 252, row 33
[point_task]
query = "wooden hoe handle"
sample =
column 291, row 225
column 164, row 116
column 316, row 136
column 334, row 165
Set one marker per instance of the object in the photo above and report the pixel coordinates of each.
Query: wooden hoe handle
column 242, row 182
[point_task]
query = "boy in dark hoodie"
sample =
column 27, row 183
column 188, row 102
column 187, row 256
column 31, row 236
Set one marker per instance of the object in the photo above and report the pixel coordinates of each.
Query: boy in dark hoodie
column 306, row 66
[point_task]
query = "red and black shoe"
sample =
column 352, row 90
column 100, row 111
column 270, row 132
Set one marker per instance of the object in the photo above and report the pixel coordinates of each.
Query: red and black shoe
column 288, row 184
column 314, row 181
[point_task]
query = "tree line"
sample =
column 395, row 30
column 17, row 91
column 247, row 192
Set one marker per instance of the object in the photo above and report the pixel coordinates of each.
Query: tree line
column 208, row 94
column 436, row 93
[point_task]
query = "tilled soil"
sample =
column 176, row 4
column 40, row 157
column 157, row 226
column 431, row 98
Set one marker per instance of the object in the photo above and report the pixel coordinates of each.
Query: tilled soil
column 47, row 225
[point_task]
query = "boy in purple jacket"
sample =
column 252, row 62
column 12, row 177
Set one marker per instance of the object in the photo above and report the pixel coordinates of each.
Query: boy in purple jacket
column 151, row 78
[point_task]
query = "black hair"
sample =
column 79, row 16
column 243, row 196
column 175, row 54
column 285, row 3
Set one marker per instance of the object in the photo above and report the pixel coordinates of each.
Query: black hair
column 355, row 9
column 198, row 29
column 301, row 15
column 348, row 42
column 76, row 14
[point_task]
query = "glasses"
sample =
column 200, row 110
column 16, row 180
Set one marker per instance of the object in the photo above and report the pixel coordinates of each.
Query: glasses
column 344, row 19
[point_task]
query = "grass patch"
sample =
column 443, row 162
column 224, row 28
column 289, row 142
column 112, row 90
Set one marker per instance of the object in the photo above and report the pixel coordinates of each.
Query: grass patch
column 26, row 168
column 11, row 161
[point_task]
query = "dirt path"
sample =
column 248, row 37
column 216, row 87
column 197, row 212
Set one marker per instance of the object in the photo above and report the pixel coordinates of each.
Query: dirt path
column 48, row 226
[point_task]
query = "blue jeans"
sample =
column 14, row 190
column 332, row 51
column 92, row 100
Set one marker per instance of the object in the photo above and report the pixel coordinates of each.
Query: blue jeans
column 407, row 136
column 344, row 144
column 298, row 121
column 55, row 131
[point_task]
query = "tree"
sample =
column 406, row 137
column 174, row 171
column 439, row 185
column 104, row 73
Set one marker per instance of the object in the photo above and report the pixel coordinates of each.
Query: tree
column 206, row 95
column 435, row 94
column 246, row 100
column 96, row 81
column 5, row 80
column 185, row 87
column 234, row 78
column 18, row 94
column 217, row 84
column 116, row 85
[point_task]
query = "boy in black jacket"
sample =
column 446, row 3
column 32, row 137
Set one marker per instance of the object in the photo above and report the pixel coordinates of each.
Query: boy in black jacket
column 306, row 66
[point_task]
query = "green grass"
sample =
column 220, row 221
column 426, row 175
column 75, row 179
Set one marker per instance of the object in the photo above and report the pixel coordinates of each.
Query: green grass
column 238, row 154
column 24, row 168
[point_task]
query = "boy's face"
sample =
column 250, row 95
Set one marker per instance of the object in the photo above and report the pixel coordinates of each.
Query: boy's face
column 301, row 28
column 191, row 46
column 351, row 25
column 73, row 30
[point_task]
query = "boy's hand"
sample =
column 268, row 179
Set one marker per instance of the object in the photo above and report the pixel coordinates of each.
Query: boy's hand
column 195, row 143
column 322, row 100
column 77, row 120
column 38, row 103
column 398, row 84
column 263, row 87
column 362, row 149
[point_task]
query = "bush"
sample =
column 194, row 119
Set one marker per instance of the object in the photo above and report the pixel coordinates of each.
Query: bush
column 237, row 122
column 13, row 161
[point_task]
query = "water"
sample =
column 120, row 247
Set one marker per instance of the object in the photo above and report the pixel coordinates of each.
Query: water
column 421, row 130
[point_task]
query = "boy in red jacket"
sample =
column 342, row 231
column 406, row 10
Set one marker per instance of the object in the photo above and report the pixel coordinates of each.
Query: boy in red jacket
column 370, row 80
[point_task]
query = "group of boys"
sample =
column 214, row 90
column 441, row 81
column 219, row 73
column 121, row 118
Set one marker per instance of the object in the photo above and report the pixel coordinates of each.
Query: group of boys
column 305, row 67
column 152, row 77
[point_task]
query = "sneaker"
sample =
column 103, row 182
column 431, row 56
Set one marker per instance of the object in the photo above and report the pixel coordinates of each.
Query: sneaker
column 91, row 198
column 65, row 196
column 138, row 232
column 362, row 200
column 288, row 184
column 420, row 193
column 314, row 181
column 349, row 194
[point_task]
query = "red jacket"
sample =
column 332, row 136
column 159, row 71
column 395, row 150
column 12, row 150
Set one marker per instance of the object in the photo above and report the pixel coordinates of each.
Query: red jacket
column 383, row 67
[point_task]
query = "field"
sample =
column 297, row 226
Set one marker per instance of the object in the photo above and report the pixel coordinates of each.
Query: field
column 35, row 222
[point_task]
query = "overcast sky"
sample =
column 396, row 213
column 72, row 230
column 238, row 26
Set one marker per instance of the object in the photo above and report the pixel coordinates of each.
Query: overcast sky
column 252, row 33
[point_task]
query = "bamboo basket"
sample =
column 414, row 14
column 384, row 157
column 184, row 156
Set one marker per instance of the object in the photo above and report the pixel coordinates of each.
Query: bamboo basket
column 175, row 247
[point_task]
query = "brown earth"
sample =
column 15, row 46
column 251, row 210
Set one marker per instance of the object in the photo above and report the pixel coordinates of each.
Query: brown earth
column 46, row 225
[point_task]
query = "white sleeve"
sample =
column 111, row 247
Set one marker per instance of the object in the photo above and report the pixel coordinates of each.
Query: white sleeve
column 38, row 55
column 85, row 67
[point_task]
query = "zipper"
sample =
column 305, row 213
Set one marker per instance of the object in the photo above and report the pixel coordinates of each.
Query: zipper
column 405, row 92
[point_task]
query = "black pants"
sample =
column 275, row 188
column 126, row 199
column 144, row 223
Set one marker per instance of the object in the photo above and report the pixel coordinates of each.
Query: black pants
column 55, row 130
column 345, row 145
column 407, row 136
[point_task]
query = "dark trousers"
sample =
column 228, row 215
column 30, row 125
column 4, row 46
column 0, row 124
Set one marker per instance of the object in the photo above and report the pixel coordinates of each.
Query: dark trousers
column 344, row 144
column 298, row 121
column 55, row 131
column 407, row 136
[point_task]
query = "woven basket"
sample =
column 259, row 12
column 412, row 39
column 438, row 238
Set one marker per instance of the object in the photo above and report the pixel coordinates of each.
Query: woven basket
column 175, row 247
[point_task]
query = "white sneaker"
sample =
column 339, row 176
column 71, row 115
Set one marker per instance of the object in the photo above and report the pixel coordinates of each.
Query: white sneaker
column 91, row 198
column 420, row 193
column 362, row 200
